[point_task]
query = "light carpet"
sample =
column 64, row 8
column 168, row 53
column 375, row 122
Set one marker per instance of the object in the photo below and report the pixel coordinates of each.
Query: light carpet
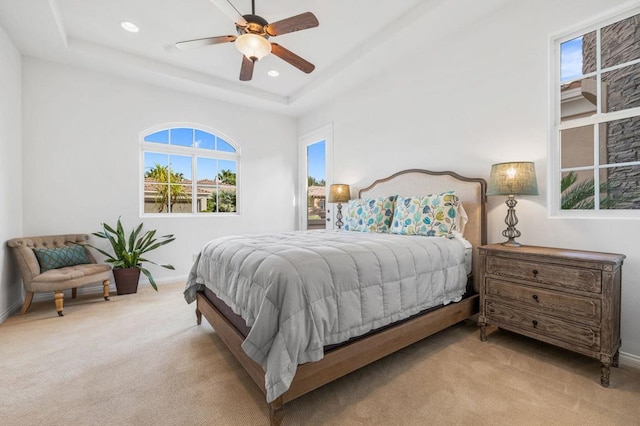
column 141, row 359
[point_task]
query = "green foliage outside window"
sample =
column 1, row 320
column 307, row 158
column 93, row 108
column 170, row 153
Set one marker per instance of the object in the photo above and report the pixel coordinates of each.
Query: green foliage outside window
column 166, row 189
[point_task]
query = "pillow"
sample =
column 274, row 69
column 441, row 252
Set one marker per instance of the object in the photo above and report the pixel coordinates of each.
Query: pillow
column 369, row 214
column 435, row 215
column 58, row 257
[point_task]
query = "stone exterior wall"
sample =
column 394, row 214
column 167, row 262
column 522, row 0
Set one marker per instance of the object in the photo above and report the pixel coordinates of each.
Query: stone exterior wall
column 620, row 43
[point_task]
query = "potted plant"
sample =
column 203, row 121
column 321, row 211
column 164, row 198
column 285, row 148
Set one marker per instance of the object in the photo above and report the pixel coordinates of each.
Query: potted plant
column 127, row 256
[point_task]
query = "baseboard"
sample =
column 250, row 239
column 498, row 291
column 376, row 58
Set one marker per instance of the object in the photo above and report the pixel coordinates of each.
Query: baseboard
column 630, row 359
column 10, row 311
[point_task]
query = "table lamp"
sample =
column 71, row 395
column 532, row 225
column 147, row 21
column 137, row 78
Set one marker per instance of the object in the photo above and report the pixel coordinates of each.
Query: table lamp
column 339, row 193
column 511, row 179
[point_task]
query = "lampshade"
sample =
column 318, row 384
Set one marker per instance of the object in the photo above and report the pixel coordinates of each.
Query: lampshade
column 339, row 193
column 516, row 178
column 253, row 46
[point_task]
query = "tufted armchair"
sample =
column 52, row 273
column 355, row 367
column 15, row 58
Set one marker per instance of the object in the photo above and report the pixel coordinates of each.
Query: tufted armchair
column 72, row 274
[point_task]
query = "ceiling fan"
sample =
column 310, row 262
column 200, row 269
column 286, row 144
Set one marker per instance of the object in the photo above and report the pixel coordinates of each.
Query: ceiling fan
column 253, row 34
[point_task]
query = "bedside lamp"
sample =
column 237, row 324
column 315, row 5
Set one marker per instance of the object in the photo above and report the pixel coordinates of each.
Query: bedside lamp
column 339, row 193
column 516, row 178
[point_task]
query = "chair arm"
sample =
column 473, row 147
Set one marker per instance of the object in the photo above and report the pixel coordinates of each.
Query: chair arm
column 27, row 260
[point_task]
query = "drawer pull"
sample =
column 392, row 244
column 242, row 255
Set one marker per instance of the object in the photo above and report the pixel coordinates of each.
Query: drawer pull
column 535, row 297
column 535, row 273
column 535, row 323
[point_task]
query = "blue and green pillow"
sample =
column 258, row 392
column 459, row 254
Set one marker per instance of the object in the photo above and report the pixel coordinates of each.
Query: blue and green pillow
column 437, row 215
column 369, row 214
column 59, row 257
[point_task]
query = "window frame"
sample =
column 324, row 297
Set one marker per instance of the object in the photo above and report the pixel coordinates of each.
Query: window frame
column 194, row 153
column 556, row 126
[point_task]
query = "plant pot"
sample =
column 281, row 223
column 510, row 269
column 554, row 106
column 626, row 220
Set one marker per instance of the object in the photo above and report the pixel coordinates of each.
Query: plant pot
column 126, row 280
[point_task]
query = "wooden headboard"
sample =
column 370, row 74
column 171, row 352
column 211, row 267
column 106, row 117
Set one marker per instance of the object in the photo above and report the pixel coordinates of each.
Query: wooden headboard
column 416, row 182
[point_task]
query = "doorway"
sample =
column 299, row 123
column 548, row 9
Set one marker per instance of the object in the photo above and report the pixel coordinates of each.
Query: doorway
column 315, row 169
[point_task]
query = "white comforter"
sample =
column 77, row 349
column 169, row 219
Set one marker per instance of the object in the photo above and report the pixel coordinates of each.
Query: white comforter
column 300, row 291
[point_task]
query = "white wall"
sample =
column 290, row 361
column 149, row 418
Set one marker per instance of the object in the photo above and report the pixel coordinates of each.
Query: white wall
column 81, row 153
column 476, row 93
column 10, row 172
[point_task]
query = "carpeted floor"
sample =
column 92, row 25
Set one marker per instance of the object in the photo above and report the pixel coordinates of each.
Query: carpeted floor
column 141, row 360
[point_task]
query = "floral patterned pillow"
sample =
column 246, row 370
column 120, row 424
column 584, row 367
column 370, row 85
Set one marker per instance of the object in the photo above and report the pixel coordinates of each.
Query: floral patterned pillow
column 432, row 215
column 369, row 214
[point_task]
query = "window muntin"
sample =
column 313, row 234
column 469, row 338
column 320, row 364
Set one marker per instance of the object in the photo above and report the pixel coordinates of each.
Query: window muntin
column 597, row 128
column 188, row 170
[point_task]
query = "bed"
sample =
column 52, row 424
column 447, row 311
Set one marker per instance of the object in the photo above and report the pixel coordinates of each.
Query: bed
column 305, row 352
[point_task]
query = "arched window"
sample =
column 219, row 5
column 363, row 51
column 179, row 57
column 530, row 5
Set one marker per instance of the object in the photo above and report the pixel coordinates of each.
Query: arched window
column 188, row 169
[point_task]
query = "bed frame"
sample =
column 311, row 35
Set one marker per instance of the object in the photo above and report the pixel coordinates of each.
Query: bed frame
column 363, row 351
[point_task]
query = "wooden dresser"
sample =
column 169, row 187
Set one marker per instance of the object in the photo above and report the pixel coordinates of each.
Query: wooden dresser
column 568, row 298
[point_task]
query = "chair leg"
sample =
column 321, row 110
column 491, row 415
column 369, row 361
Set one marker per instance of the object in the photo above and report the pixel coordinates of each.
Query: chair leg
column 74, row 292
column 27, row 302
column 59, row 299
column 105, row 286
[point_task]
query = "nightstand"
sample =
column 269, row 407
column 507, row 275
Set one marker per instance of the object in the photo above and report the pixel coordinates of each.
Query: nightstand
column 568, row 298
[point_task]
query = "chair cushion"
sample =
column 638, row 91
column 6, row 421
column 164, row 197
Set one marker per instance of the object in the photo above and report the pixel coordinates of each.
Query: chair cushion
column 59, row 257
column 71, row 272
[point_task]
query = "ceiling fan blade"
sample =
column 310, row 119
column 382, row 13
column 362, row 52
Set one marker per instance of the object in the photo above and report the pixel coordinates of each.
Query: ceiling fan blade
column 295, row 23
column 230, row 10
column 292, row 58
column 200, row 42
column 246, row 70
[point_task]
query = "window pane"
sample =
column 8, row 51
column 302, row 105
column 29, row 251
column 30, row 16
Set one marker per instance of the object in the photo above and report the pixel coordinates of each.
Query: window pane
column 226, row 201
column 158, row 137
column 578, row 99
column 620, row 88
column 154, row 201
column 156, row 167
column 621, row 42
column 180, row 198
column 205, row 140
column 227, row 172
column 578, row 57
column 576, row 147
column 620, row 141
column 224, row 146
column 576, row 190
column 207, row 170
column 620, row 188
column 182, row 137
column 205, row 199
column 180, row 169
column 226, row 198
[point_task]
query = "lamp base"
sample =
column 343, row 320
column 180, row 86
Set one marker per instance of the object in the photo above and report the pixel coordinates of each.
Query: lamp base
column 511, row 220
column 511, row 243
column 339, row 216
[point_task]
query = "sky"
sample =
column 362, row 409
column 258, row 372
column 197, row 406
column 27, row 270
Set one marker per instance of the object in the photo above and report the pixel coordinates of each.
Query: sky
column 571, row 59
column 316, row 162
column 207, row 168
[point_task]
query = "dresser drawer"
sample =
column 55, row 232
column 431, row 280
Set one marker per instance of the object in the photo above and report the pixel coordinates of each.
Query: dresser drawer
column 564, row 277
column 544, row 301
column 564, row 331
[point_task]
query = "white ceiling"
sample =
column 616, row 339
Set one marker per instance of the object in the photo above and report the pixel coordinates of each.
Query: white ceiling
column 87, row 33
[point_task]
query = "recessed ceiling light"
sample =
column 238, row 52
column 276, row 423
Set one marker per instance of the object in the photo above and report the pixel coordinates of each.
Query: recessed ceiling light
column 129, row 26
column 273, row 73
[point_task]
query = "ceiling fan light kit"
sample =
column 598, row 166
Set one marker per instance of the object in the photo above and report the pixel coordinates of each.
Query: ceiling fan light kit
column 253, row 37
column 253, row 46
